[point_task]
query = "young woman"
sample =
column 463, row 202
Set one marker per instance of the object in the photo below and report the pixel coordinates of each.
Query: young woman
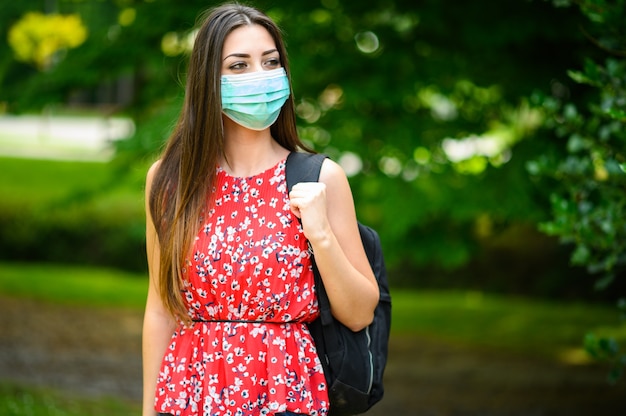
column 231, row 287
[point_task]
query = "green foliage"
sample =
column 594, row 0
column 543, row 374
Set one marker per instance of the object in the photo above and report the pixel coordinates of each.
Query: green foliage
column 588, row 171
column 588, row 210
column 110, row 235
column 38, row 38
column 607, row 349
column 124, row 44
column 387, row 83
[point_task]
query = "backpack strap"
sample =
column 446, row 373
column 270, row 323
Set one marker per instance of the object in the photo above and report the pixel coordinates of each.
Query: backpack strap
column 306, row 167
column 303, row 167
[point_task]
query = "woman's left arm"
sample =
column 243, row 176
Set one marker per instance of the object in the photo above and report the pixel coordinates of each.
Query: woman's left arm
column 329, row 223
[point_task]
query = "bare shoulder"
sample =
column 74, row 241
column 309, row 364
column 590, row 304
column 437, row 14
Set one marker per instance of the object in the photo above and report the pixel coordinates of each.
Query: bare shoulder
column 337, row 186
column 331, row 172
column 153, row 169
column 150, row 179
column 151, row 173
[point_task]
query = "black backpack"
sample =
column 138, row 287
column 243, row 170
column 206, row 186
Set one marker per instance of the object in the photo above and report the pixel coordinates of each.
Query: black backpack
column 353, row 362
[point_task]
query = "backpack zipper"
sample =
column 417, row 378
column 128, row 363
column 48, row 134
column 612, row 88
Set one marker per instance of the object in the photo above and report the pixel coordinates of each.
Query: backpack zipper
column 369, row 352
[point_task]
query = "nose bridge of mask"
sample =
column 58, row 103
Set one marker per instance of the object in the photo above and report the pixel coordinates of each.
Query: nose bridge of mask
column 252, row 77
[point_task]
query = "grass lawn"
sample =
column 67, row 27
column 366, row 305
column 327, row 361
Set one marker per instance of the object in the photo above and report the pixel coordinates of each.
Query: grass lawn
column 20, row 401
column 33, row 182
column 38, row 183
column 552, row 329
column 74, row 285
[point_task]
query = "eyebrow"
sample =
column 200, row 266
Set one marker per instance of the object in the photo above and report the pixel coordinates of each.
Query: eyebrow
column 245, row 55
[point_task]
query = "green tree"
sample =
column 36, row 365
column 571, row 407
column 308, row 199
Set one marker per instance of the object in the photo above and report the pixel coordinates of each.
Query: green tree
column 588, row 168
column 393, row 82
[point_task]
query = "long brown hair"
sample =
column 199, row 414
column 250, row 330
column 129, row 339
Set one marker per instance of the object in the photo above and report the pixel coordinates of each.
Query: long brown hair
column 186, row 175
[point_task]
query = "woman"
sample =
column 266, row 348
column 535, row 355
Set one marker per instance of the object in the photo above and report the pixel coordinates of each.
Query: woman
column 231, row 287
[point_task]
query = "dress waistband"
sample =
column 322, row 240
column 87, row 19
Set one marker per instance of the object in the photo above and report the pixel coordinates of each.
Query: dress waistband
column 244, row 321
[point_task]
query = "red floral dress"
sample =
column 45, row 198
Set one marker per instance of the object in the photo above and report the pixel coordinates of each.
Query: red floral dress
column 250, row 263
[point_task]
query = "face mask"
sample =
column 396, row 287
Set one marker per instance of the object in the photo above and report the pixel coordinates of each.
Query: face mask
column 254, row 100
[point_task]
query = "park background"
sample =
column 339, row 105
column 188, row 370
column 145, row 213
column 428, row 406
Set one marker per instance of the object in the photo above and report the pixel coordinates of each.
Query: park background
column 484, row 140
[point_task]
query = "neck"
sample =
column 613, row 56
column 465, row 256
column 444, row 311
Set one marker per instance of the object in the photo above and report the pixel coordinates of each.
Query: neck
column 248, row 152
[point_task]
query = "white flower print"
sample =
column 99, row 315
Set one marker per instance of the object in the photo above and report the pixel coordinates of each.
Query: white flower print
column 213, row 379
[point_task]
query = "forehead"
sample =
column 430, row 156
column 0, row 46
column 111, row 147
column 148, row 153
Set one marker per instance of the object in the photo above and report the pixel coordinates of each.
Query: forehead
column 248, row 39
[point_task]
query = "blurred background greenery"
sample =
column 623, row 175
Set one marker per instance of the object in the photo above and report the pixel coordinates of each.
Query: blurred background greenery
column 484, row 140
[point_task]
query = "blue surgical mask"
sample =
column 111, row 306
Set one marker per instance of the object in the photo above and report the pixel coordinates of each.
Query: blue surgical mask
column 254, row 100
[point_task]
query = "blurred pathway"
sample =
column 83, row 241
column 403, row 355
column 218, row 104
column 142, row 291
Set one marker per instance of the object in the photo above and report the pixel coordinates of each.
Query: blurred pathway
column 87, row 351
column 62, row 137
column 98, row 352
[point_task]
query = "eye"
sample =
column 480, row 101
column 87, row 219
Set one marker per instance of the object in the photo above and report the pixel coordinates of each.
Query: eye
column 272, row 62
column 237, row 66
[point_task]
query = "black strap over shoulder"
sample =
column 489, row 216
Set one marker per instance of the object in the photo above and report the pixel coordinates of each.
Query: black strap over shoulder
column 303, row 167
column 306, row 167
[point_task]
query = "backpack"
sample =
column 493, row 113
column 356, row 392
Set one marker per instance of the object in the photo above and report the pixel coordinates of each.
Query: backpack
column 353, row 362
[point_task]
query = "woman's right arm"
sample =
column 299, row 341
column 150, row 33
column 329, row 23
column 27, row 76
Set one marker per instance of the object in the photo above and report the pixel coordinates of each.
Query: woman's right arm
column 158, row 323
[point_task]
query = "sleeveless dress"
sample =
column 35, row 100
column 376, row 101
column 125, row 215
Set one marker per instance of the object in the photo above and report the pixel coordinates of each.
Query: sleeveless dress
column 249, row 288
